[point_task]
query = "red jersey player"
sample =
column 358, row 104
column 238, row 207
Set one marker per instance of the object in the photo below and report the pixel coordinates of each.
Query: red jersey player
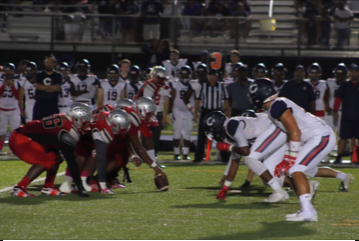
column 105, row 127
column 39, row 143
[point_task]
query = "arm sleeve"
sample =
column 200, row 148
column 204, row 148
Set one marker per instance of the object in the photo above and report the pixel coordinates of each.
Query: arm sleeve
column 101, row 152
column 337, row 103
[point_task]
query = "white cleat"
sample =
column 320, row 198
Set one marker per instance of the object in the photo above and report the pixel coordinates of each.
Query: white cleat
column 66, row 187
column 277, row 196
column 344, row 185
column 292, row 215
column 314, row 186
column 303, row 217
column 107, row 191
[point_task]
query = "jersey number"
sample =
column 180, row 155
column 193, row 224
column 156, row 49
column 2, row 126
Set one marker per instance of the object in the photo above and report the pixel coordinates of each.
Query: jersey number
column 81, row 87
column 52, row 121
column 317, row 94
column 65, row 93
column 157, row 99
column 31, row 93
column 130, row 95
column 8, row 93
column 112, row 95
column 182, row 93
column 217, row 63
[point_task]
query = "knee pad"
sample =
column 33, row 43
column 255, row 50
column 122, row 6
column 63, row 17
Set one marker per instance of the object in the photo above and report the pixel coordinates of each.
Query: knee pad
column 255, row 165
column 177, row 134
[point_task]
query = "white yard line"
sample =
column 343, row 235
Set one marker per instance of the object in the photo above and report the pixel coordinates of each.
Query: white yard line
column 36, row 180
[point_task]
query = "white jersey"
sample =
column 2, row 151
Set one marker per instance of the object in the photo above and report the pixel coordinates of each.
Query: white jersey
column 319, row 91
column 112, row 93
column 87, row 84
column 132, row 89
column 279, row 88
column 65, row 98
column 195, row 65
column 196, row 86
column 123, row 79
column 173, row 70
column 29, row 91
column 149, row 90
column 308, row 124
column 243, row 130
column 181, row 89
column 229, row 69
column 8, row 100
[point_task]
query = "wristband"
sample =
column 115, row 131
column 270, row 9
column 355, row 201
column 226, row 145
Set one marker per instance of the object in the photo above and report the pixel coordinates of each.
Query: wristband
column 154, row 164
column 189, row 106
column 230, row 148
column 294, row 146
column 227, row 183
column 133, row 156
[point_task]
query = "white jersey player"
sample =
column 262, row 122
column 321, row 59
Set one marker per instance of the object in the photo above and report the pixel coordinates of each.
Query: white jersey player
column 174, row 64
column 310, row 140
column 27, row 90
column 319, row 87
column 133, row 85
column 182, row 112
column 9, row 105
column 229, row 67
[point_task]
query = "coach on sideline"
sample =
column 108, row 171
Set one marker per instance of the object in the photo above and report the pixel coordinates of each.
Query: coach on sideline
column 47, row 85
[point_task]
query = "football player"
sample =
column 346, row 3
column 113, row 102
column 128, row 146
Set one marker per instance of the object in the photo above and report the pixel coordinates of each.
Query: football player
column 182, row 112
column 201, row 73
column 278, row 75
column 229, row 68
column 319, row 86
column 27, row 90
column 39, row 143
column 86, row 82
column 134, row 84
column 259, row 71
column 9, row 105
column 111, row 88
column 310, row 140
column 174, row 64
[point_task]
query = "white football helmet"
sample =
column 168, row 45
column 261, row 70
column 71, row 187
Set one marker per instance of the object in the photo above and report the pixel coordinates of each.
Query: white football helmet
column 145, row 107
column 159, row 75
column 123, row 103
column 120, row 122
column 80, row 115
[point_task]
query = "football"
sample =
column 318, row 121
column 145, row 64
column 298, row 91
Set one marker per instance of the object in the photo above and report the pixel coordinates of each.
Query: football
column 161, row 183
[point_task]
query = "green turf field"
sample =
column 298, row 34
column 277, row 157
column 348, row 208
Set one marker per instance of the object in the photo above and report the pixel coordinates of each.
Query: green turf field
column 188, row 210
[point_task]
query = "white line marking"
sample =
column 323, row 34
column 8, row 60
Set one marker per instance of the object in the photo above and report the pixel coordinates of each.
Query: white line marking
column 36, row 180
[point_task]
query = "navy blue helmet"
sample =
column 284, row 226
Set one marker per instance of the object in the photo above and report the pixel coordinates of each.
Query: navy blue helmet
column 279, row 69
column 260, row 90
column 340, row 69
column 63, row 67
column 113, row 72
column 83, row 64
column 213, row 125
column 30, row 70
column 259, row 71
column 135, row 73
column 202, row 68
column 249, row 113
column 9, row 70
column 314, row 70
column 185, row 72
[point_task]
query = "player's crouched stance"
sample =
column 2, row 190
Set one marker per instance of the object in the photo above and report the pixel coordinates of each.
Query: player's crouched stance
column 39, row 143
column 310, row 140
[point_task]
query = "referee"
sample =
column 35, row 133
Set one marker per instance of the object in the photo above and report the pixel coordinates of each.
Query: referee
column 210, row 98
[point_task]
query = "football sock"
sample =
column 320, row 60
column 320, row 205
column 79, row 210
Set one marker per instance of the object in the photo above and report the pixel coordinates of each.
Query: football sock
column 185, row 150
column 341, row 176
column 1, row 145
column 103, row 185
column 24, row 182
column 50, row 179
column 305, row 202
column 176, row 150
column 67, row 172
column 274, row 185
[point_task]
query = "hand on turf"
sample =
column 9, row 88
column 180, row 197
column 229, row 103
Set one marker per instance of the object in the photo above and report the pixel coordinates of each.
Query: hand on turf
column 222, row 193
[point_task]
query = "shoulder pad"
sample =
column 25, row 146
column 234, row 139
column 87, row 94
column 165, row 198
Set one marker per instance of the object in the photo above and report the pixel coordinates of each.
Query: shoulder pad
column 231, row 126
column 278, row 107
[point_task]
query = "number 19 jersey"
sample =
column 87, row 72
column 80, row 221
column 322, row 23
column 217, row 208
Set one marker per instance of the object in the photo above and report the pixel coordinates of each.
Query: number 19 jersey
column 112, row 93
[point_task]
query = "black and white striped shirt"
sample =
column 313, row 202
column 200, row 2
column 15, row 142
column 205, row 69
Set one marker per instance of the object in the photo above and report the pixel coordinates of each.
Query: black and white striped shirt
column 212, row 96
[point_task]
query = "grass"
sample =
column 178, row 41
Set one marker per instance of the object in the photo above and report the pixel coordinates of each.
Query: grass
column 188, row 210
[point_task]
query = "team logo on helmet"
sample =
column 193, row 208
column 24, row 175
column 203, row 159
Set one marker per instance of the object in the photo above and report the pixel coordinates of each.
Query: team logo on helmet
column 253, row 88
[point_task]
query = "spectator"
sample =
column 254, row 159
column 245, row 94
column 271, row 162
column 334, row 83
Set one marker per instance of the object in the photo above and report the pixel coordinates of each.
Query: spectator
column 163, row 50
column 299, row 91
column 47, row 85
column 325, row 27
column 347, row 96
column 105, row 7
column 150, row 52
column 128, row 24
column 311, row 16
column 238, row 91
column 191, row 8
column 165, row 21
column 209, row 98
column 151, row 12
column 342, row 18
column 218, row 23
column 243, row 23
column 247, row 8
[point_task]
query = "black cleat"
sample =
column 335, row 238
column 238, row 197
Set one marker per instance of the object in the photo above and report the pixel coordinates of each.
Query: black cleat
column 186, row 158
column 245, row 185
column 176, row 157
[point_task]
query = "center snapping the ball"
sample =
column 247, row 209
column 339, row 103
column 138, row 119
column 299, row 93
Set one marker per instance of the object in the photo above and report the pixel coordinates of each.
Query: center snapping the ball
column 161, row 183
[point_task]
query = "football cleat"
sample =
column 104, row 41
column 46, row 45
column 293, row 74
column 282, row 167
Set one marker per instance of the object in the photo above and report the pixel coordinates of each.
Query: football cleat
column 176, row 157
column 344, row 185
column 52, row 191
column 115, row 184
column 303, row 217
column 66, row 187
column 277, row 196
column 19, row 192
column 107, row 191
column 186, row 158
column 314, row 185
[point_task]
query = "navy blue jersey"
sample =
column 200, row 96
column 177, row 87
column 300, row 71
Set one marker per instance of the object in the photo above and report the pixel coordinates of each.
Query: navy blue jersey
column 42, row 78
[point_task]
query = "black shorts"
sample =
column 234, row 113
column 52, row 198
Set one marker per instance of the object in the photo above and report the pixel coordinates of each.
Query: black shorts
column 349, row 129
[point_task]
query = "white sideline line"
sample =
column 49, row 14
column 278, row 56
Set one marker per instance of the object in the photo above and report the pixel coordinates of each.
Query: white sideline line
column 36, row 180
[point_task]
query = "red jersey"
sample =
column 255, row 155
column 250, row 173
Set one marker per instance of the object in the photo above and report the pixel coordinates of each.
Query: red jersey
column 47, row 132
column 137, row 124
